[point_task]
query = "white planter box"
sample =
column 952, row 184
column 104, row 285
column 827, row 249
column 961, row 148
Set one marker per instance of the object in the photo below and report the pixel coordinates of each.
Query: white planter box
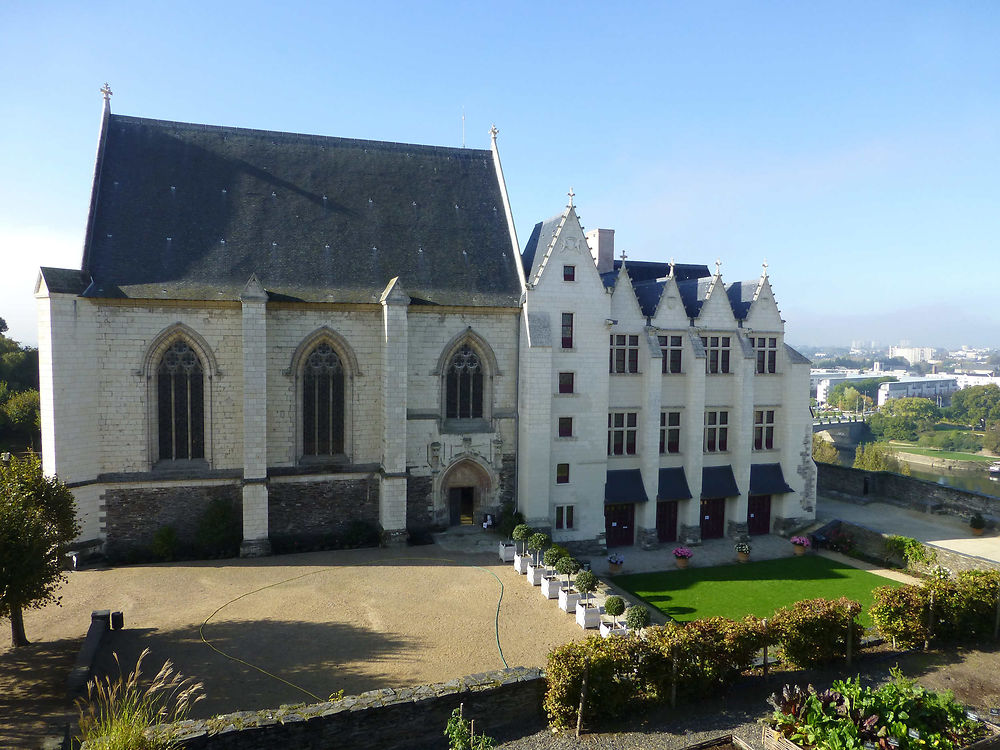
column 588, row 617
column 568, row 600
column 521, row 563
column 535, row 574
column 506, row 552
column 551, row 586
column 607, row 629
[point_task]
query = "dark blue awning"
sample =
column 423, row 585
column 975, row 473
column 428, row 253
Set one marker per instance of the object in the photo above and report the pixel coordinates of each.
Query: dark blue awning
column 767, row 479
column 718, row 481
column 673, row 485
column 624, row 486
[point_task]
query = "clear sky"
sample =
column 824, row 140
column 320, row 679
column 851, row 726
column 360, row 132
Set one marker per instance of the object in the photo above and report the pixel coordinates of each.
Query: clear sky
column 853, row 145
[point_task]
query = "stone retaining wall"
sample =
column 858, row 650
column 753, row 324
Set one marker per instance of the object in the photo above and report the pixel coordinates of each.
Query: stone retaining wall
column 504, row 701
column 319, row 512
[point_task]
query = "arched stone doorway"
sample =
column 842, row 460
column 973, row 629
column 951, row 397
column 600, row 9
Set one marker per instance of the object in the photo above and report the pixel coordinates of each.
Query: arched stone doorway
column 466, row 491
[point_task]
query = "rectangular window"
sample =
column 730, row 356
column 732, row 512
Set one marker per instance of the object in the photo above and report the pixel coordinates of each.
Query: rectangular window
column 622, row 429
column 567, row 330
column 767, row 354
column 670, row 347
column 564, row 516
column 716, row 354
column 569, row 273
column 763, row 429
column 566, row 382
column 716, row 431
column 624, row 354
column 565, row 426
column 670, row 432
column 562, row 473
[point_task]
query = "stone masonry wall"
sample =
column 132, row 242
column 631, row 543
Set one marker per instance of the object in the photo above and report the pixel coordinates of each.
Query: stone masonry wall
column 133, row 514
column 318, row 510
column 419, row 501
column 410, row 718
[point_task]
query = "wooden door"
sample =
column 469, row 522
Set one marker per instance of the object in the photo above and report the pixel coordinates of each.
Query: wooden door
column 619, row 524
column 461, row 502
column 713, row 518
column 666, row 521
column 759, row 514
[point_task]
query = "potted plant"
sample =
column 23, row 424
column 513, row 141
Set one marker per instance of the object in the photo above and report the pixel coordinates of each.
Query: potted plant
column 550, row 581
column 614, row 606
column 742, row 551
column 682, row 556
column 615, row 562
column 800, row 544
column 977, row 523
column 522, row 532
column 568, row 596
column 636, row 618
column 588, row 615
column 536, row 543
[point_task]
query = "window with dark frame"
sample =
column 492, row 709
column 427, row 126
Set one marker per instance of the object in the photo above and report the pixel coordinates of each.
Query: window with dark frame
column 565, row 427
column 567, row 330
column 716, row 431
column 564, row 516
column 622, row 429
column 670, row 432
column 671, row 348
column 464, row 385
column 623, row 356
column 569, row 273
column 323, row 403
column 180, row 393
column 763, row 429
column 562, row 473
column 767, row 354
column 716, row 354
column 566, row 382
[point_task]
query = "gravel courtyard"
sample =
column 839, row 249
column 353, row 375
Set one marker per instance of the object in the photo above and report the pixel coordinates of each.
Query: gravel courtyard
column 305, row 626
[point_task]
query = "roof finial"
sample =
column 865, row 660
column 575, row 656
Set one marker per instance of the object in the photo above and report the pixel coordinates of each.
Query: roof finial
column 671, row 266
column 765, row 267
column 570, row 194
column 624, row 256
column 493, row 133
column 718, row 265
column 106, row 90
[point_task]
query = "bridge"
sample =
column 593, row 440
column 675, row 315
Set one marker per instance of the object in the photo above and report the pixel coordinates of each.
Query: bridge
column 843, row 433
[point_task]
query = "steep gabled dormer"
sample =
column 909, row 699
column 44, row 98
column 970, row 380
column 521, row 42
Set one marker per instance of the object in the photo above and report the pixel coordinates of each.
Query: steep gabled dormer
column 669, row 311
column 716, row 313
column 557, row 252
column 763, row 313
column 625, row 307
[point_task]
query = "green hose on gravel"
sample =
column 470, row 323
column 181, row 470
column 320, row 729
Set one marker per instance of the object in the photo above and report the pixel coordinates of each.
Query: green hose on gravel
column 201, row 630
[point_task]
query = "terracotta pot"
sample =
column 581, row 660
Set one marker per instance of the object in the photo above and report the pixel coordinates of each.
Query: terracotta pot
column 742, row 557
column 614, row 568
column 682, row 562
column 977, row 532
column 800, row 549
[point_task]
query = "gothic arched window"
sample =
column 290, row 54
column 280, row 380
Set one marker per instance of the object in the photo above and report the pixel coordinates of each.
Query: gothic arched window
column 464, row 385
column 323, row 403
column 180, row 392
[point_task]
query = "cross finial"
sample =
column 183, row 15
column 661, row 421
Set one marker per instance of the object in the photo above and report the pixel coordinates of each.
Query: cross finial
column 765, row 266
column 570, row 194
column 624, row 256
column 494, row 132
column 106, row 90
column 718, row 265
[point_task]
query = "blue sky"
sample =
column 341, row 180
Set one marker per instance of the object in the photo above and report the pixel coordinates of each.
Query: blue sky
column 855, row 146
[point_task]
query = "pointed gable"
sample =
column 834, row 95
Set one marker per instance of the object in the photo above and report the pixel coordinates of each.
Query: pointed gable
column 624, row 301
column 670, row 311
column 715, row 311
column 557, row 242
column 763, row 313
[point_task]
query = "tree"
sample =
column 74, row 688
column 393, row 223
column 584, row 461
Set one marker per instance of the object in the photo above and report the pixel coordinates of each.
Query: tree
column 22, row 416
column 903, row 418
column 37, row 523
column 878, row 457
column 823, row 451
column 3, row 326
column 980, row 403
column 991, row 440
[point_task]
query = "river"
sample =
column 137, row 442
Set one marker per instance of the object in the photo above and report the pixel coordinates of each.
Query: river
column 974, row 480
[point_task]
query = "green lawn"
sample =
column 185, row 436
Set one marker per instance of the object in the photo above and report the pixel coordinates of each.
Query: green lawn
column 757, row 588
column 937, row 453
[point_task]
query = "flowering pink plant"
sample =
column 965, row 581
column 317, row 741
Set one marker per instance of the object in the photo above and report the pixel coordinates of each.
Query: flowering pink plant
column 682, row 552
column 802, row 540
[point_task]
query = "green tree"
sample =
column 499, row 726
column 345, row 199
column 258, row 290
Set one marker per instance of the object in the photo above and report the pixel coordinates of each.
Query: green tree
column 37, row 523
column 823, row 451
column 991, row 440
column 903, row 418
column 23, row 417
column 878, row 457
column 867, row 387
column 976, row 404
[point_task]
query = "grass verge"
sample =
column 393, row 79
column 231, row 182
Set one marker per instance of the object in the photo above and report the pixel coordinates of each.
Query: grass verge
column 757, row 588
column 952, row 455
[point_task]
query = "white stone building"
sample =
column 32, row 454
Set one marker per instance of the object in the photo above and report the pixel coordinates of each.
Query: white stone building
column 656, row 403
column 316, row 332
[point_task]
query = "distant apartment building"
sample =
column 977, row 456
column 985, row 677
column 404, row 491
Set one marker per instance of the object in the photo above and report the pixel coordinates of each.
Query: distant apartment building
column 912, row 354
column 822, row 381
column 937, row 388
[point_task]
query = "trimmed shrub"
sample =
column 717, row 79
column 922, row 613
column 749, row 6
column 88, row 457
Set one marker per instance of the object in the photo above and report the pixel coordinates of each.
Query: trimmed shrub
column 614, row 606
column 814, row 631
column 965, row 608
column 900, row 613
column 521, row 533
column 636, row 617
column 164, row 544
column 585, row 583
column 220, row 529
column 508, row 520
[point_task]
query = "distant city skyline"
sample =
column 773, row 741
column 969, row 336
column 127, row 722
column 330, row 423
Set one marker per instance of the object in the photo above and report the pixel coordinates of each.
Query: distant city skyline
column 852, row 146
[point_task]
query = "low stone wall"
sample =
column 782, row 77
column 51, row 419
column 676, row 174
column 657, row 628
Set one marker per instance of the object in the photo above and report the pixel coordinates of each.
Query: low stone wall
column 917, row 494
column 501, row 702
column 316, row 513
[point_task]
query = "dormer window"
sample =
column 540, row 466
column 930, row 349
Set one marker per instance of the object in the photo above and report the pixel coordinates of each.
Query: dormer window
column 569, row 273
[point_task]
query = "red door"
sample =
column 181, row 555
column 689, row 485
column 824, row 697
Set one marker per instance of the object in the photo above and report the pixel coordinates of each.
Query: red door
column 619, row 524
column 666, row 521
column 713, row 518
column 759, row 514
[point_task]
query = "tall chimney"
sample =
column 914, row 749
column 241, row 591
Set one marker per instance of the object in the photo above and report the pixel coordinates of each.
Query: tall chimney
column 602, row 247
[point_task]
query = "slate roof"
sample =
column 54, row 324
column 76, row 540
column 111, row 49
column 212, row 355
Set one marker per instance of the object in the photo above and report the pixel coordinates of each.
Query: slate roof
column 718, row 481
column 183, row 211
column 624, row 486
column 64, row 280
column 538, row 243
column 795, row 357
column 672, row 485
column 767, row 479
column 740, row 295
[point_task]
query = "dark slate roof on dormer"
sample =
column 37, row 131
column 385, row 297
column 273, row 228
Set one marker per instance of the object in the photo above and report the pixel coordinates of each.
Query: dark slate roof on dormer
column 539, row 241
column 185, row 211
column 64, row 280
column 693, row 293
column 648, row 294
column 740, row 295
column 648, row 270
column 795, row 357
